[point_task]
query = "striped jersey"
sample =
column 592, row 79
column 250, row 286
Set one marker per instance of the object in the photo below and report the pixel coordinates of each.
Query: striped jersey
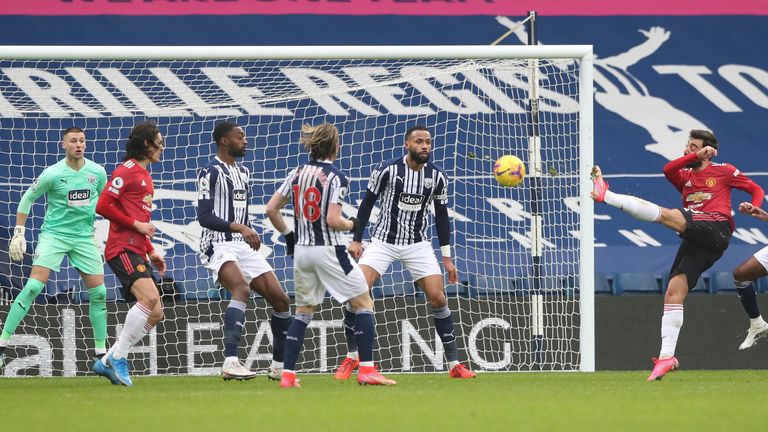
column 313, row 187
column 222, row 198
column 405, row 196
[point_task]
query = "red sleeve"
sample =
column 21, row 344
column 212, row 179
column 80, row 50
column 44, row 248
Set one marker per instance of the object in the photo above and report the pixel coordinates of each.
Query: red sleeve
column 109, row 207
column 744, row 183
column 673, row 167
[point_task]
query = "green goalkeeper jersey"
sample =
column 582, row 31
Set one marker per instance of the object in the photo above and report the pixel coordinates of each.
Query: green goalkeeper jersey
column 71, row 196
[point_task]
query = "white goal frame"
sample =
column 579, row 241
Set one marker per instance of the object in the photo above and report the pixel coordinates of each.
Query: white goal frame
column 582, row 53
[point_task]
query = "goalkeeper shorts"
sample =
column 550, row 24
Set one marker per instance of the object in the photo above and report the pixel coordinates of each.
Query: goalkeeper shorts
column 83, row 254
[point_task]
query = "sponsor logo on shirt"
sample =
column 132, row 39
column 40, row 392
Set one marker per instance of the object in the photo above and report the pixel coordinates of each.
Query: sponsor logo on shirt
column 239, row 197
column 79, row 197
column 410, row 202
column 698, row 197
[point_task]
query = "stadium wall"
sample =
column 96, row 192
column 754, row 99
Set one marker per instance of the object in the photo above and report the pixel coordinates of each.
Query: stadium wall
column 189, row 338
column 628, row 328
column 184, row 343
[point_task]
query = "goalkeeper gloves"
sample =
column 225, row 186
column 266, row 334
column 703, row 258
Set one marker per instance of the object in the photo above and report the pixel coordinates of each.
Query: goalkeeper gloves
column 290, row 242
column 18, row 244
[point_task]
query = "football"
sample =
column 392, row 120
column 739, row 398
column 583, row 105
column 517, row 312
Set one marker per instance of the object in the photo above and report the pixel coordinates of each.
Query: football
column 509, row 171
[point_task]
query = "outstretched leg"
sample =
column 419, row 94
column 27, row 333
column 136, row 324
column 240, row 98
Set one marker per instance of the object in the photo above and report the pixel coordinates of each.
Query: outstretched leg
column 636, row 207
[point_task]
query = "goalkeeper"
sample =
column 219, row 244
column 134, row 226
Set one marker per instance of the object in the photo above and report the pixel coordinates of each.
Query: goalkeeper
column 72, row 187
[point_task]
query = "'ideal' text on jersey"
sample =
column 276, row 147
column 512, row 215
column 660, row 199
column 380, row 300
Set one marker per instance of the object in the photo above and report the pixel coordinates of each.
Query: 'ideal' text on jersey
column 222, row 190
column 405, row 197
column 312, row 188
column 72, row 197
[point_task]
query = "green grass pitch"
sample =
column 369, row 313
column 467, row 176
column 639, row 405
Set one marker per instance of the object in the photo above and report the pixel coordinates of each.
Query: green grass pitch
column 610, row 401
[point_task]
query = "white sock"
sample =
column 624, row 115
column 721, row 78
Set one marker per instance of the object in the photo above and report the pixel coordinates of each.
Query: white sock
column 671, row 323
column 353, row 355
column 756, row 322
column 277, row 364
column 452, row 364
column 134, row 329
column 634, row 206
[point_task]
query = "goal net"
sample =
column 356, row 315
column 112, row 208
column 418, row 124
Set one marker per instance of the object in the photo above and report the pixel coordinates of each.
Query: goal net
column 524, row 301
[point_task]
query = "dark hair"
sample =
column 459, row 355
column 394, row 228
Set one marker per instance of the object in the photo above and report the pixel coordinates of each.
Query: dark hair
column 704, row 135
column 70, row 130
column 141, row 133
column 222, row 129
column 413, row 129
column 322, row 141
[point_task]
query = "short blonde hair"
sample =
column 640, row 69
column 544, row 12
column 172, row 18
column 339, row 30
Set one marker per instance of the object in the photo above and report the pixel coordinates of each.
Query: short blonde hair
column 322, row 140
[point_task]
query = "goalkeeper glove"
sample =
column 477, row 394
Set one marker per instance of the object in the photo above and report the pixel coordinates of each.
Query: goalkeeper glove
column 290, row 242
column 18, row 244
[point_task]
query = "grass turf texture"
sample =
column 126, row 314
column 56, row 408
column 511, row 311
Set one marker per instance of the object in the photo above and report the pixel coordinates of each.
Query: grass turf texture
column 686, row 400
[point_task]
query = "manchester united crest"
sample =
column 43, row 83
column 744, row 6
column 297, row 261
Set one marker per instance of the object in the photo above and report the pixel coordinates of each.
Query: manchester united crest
column 141, row 268
column 711, row 182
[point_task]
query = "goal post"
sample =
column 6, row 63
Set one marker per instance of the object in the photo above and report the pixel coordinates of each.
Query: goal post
column 475, row 101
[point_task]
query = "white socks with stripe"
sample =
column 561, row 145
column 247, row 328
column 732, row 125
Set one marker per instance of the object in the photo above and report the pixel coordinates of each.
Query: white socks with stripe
column 634, row 206
column 134, row 329
column 671, row 323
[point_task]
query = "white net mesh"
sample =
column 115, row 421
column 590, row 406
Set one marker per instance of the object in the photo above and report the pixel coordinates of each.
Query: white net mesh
column 477, row 111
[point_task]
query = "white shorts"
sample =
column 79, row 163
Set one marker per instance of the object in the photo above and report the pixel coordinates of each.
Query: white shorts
column 762, row 257
column 320, row 268
column 251, row 262
column 418, row 258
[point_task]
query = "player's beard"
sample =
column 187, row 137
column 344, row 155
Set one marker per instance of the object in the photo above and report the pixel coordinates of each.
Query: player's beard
column 416, row 157
column 237, row 153
column 694, row 165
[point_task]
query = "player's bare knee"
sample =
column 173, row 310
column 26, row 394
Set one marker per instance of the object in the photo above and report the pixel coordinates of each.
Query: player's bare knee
column 436, row 299
column 363, row 301
column 240, row 292
column 306, row 310
column 281, row 303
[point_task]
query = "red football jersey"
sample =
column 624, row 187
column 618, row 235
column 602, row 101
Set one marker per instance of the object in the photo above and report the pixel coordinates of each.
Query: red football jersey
column 132, row 190
column 709, row 190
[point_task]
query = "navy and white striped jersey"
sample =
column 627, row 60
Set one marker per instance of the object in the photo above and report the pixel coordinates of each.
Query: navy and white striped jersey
column 405, row 197
column 222, row 199
column 313, row 187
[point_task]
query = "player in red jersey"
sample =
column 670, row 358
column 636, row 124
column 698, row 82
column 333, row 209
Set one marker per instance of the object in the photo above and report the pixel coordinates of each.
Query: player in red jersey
column 127, row 203
column 704, row 223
